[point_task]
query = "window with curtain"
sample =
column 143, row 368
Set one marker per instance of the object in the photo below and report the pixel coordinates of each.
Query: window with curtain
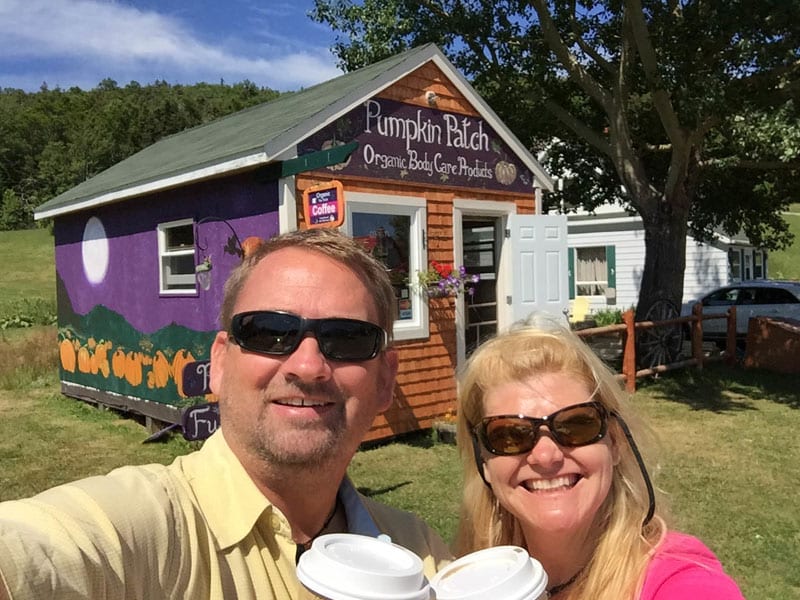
column 591, row 271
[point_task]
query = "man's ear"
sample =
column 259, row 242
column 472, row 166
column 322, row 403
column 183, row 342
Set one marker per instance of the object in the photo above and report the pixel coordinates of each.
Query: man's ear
column 218, row 350
column 387, row 378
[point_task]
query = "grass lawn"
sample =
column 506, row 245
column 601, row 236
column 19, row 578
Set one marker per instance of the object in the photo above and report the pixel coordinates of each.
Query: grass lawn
column 27, row 287
column 730, row 467
column 785, row 264
column 28, row 265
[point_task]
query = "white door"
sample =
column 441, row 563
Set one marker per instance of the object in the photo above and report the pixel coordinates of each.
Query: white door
column 539, row 278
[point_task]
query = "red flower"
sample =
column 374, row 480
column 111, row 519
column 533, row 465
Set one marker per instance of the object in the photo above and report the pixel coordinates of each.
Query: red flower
column 444, row 271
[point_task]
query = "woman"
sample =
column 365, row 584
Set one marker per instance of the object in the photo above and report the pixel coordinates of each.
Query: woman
column 550, row 465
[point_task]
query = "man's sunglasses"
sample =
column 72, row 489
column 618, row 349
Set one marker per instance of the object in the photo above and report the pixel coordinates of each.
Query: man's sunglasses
column 577, row 425
column 279, row 333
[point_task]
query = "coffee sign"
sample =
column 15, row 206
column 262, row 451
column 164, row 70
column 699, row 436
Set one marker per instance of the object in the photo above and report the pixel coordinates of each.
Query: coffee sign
column 324, row 205
column 423, row 145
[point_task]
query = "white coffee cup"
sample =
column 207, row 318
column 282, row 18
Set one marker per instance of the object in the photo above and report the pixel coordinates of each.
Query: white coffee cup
column 346, row 566
column 499, row 573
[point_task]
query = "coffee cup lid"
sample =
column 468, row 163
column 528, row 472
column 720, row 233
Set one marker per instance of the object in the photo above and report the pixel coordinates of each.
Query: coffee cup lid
column 346, row 566
column 506, row 572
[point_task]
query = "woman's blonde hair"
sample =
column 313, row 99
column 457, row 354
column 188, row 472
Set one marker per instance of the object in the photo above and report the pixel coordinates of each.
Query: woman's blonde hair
column 624, row 544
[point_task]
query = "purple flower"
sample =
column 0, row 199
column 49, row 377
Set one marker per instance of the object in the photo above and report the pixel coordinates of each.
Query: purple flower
column 455, row 282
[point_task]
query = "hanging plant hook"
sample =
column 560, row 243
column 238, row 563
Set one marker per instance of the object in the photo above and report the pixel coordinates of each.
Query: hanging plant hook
column 234, row 245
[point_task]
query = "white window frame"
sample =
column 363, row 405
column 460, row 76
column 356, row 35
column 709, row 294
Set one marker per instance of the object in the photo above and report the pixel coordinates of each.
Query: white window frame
column 415, row 208
column 184, row 283
column 759, row 264
column 747, row 273
column 599, row 282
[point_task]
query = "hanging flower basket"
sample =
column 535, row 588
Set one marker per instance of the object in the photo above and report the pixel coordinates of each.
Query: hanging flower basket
column 442, row 281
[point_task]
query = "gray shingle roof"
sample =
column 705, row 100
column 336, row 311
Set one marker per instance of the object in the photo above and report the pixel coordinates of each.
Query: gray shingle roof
column 257, row 135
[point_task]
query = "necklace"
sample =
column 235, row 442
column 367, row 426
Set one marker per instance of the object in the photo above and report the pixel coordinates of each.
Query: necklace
column 562, row 586
column 303, row 546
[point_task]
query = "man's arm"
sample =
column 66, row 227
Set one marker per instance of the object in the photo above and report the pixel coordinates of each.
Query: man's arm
column 82, row 540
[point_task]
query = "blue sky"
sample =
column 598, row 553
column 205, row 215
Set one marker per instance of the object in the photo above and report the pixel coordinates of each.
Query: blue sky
column 66, row 43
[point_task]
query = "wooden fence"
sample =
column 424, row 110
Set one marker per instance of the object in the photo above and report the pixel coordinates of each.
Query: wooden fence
column 629, row 329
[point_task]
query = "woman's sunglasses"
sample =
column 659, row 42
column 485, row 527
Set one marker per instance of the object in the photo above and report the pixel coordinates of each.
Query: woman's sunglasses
column 577, row 425
column 279, row 333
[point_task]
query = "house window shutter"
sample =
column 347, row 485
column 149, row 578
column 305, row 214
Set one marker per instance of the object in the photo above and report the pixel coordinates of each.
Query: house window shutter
column 571, row 272
column 611, row 265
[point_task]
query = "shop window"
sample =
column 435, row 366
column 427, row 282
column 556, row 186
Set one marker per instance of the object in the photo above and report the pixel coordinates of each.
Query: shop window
column 592, row 271
column 176, row 257
column 390, row 227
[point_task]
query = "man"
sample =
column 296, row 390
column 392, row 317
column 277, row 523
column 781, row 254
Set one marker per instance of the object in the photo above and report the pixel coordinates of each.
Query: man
column 301, row 368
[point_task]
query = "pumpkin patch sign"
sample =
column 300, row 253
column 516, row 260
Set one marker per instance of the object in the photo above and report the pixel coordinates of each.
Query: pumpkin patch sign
column 411, row 143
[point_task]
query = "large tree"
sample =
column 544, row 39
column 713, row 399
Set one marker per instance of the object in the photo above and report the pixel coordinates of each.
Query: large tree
column 681, row 111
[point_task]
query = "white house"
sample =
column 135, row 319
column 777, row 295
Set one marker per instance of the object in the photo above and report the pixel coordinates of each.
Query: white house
column 606, row 259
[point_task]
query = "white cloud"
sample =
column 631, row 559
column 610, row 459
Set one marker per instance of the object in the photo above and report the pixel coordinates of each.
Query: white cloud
column 78, row 40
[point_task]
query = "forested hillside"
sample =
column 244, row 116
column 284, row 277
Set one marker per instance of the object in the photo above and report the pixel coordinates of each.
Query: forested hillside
column 51, row 140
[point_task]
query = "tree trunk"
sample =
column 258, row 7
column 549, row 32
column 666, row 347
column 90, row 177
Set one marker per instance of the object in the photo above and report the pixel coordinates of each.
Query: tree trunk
column 665, row 229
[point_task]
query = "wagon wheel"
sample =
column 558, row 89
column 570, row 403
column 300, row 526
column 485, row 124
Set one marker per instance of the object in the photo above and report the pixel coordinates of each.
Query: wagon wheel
column 662, row 344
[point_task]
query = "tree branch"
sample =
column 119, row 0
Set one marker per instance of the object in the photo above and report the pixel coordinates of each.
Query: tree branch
column 763, row 165
column 657, row 148
column 587, row 49
column 786, row 78
column 568, row 60
column 661, row 98
column 580, row 129
column 476, row 46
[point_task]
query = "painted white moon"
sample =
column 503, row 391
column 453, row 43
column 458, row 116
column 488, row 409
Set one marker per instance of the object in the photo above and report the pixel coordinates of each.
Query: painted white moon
column 94, row 249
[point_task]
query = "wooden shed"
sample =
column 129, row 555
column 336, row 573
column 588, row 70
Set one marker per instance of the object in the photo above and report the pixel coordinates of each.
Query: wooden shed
column 403, row 152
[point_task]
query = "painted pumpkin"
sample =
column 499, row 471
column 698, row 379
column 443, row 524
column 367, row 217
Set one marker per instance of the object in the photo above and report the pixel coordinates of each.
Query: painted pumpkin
column 179, row 361
column 100, row 359
column 118, row 362
column 103, row 368
column 161, row 370
column 66, row 352
column 84, row 360
column 505, row 172
column 133, row 368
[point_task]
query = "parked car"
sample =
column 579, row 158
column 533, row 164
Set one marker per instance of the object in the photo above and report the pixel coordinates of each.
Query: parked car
column 757, row 298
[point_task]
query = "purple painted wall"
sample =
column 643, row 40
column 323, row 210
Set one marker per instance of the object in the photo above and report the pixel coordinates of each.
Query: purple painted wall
column 130, row 284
